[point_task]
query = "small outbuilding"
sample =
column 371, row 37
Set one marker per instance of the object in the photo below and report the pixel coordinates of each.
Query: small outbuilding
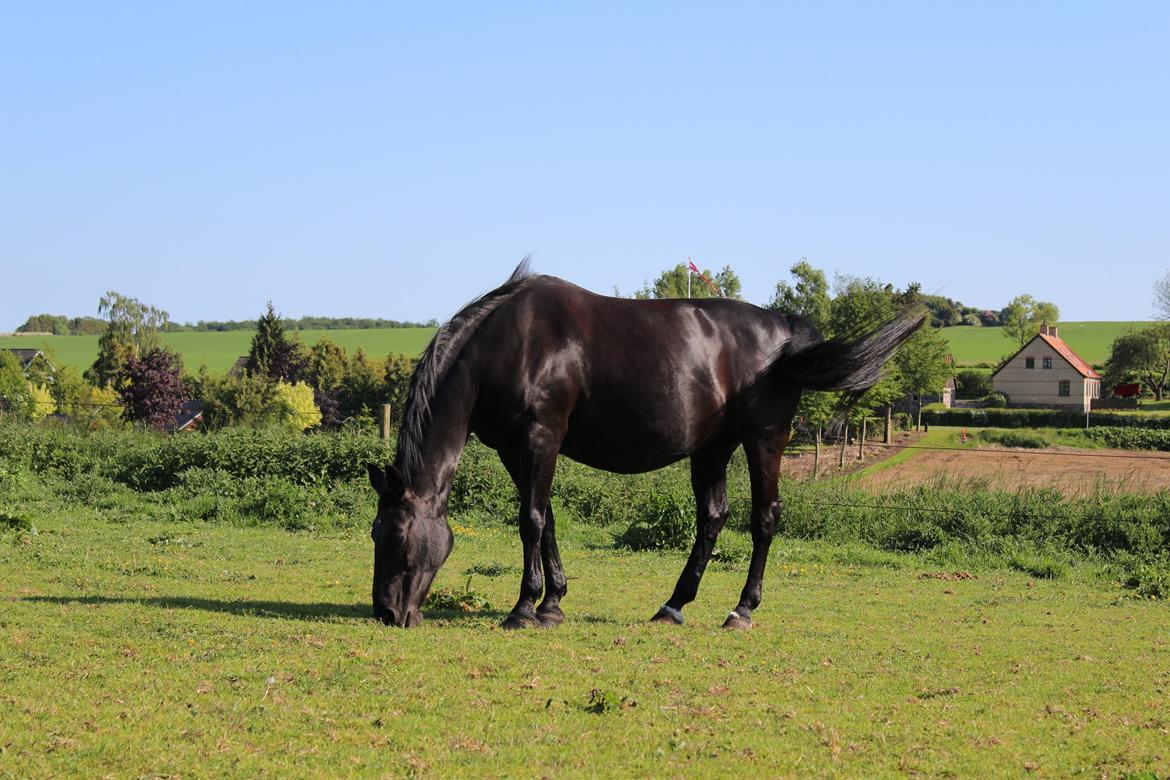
column 1046, row 372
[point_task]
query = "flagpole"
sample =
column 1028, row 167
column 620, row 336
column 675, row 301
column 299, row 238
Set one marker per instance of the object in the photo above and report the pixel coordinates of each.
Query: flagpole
column 688, row 277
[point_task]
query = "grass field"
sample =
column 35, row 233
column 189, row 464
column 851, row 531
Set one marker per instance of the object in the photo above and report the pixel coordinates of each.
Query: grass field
column 1090, row 340
column 164, row 649
column 971, row 346
column 220, row 350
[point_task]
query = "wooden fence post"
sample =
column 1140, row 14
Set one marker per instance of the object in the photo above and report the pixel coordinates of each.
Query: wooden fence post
column 817, row 454
column 844, row 444
column 861, row 442
column 385, row 421
column 889, row 438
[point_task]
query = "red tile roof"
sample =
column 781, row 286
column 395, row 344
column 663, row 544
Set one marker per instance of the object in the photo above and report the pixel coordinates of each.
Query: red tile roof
column 1065, row 351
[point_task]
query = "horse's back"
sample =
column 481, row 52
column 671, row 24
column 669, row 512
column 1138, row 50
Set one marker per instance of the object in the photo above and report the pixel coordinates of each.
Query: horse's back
column 632, row 384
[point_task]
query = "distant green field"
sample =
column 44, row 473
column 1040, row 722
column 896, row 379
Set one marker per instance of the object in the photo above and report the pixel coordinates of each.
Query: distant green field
column 1090, row 340
column 970, row 345
column 220, row 350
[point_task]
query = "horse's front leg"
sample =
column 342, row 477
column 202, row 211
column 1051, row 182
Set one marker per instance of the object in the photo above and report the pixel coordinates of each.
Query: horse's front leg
column 533, row 474
column 709, row 483
column 763, row 458
column 555, row 583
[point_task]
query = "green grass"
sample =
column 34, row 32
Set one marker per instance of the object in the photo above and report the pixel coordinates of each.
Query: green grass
column 1090, row 340
column 158, row 649
column 220, row 350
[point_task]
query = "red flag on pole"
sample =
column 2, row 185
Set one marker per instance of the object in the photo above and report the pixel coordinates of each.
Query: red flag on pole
column 714, row 289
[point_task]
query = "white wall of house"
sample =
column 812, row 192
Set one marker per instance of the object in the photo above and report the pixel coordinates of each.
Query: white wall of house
column 1041, row 385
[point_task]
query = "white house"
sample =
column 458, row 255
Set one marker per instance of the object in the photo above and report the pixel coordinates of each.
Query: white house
column 1046, row 372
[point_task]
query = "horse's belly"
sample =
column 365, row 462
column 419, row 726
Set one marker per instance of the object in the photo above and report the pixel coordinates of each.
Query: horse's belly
column 630, row 445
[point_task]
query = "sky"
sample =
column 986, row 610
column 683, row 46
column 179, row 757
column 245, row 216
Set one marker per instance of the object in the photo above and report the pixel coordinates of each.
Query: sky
column 395, row 160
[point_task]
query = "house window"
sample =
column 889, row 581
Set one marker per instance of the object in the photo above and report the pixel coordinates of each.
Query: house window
column 1029, row 362
column 1048, row 362
column 1064, row 387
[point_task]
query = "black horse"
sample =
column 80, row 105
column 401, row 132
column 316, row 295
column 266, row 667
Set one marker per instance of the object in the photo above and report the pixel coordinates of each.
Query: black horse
column 539, row 367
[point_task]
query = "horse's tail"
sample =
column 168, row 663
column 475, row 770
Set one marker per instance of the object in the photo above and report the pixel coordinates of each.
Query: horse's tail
column 852, row 363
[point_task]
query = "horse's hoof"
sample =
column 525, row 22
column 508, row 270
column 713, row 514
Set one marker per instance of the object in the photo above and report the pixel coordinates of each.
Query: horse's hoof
column 517, row 620
column 737, row 622
column 668, row 615
column 550, row 617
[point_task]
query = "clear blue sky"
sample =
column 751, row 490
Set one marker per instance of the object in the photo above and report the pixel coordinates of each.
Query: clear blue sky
column 394, row 160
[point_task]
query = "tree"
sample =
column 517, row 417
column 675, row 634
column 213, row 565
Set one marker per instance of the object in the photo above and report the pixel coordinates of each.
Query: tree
column 924, row 364
column 808, row 296
column 131, row 331
column 153, row 392
column 1162, row 297
column 298, row 412
column 327, row 365
column 861, row 303
column 40, row 402
column 672, row 283
column 396, row 380
column 1142, row 356
column 1022, row 318
column 14, row 394
column 57, row 324
column 273, row 354
column 239, row 400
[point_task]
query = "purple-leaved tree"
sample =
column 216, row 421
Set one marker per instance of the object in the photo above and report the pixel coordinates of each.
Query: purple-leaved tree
column 153, row 392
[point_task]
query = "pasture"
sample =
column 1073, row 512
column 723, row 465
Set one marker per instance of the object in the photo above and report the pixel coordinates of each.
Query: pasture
column 210, row 622
column 977, row 346
column 219, row 350
column 970, row 345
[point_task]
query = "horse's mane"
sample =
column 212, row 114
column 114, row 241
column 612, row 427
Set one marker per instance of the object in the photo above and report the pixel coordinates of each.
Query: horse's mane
column 435, row 362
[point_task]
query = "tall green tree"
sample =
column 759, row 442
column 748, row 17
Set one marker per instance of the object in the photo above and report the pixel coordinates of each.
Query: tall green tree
column 807, row 296
column 273, row 353
column 924, row 365
column 1024, row 315
column 1162, row 297
column 132, row 329
column 861, row 303
column 1142, row 356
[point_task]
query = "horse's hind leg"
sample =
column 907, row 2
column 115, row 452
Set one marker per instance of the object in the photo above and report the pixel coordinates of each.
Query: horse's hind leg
column 763, row 457
column 709, row 482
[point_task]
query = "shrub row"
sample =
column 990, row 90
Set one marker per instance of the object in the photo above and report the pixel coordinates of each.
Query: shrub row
column 1041, row 418
column 1131, row 438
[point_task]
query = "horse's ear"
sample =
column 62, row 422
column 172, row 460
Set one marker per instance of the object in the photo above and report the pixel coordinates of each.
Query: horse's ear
column 377, row 478
column 395, row 484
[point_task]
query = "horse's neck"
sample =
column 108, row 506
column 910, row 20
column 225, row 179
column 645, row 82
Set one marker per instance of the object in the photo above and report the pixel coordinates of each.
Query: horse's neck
column 446, row 435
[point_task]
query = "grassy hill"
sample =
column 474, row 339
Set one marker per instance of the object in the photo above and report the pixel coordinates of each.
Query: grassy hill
column 219, row 350
column 1091, row 340
column 971, row 346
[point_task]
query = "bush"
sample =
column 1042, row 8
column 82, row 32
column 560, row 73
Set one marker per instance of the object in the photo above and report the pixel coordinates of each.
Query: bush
column 972, row 384
column 996, row 400
column 666, row 523
column 937, row 414
column 1023, row 439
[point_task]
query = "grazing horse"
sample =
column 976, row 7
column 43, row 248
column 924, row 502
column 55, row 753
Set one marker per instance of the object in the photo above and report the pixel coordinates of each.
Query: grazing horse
column 539, row 367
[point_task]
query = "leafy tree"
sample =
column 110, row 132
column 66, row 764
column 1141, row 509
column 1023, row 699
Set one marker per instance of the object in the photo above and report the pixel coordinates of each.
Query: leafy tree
column 327, row 365
column 239, row 400
column 274, row 354
column 153, row 392
column 14, row 394
column 1162, row 297
column 808, row 296
column 971, row 384
column 57, row 324
column 672, row 283
column 924, row 364
column 298, row 411
column 861, row 303
column 1142, row 356
column 362, row 391
column 40, row 402
column 92, row 406
column 87, row 326
column 1022, row 318
column 399, row 369
column 132, row 330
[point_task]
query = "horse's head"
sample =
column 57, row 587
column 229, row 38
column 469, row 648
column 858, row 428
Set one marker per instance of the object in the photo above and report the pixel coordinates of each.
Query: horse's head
column 411, row 542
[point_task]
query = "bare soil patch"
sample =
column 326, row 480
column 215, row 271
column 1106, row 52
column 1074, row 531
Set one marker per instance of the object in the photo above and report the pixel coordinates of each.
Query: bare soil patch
column 1071, row 471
